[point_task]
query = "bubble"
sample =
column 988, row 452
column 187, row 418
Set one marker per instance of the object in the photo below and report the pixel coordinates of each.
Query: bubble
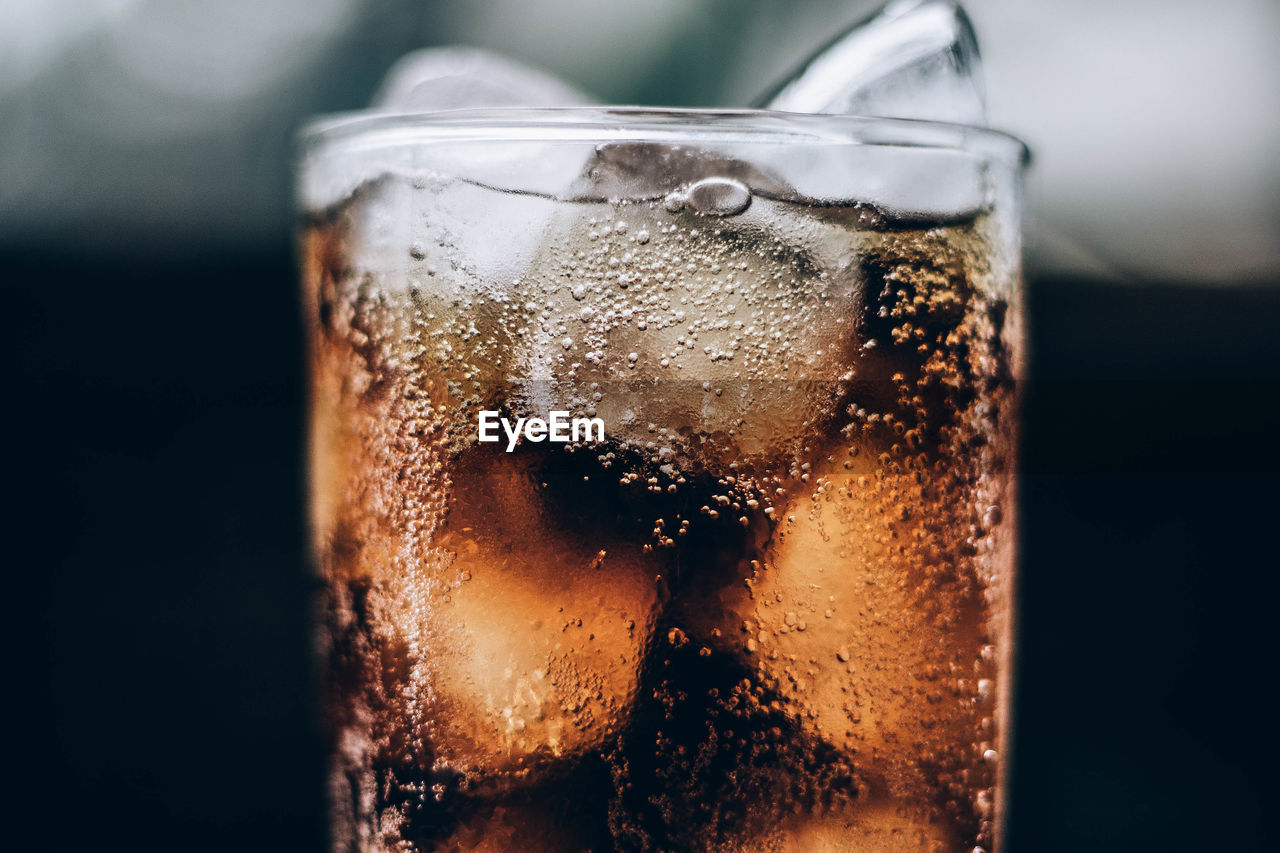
column 719, row 196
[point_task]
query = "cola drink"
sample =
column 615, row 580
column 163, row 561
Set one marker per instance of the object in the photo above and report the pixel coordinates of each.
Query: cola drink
column 767, row 604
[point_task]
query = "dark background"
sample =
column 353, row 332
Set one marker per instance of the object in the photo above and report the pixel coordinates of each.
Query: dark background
column 159, row 623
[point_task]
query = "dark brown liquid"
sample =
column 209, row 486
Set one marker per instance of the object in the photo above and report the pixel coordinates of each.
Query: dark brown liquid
column 769, row 612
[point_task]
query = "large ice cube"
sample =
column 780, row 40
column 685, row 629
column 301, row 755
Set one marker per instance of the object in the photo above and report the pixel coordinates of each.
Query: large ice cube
column 442, row 203
column 932, row 179
column 698, row 339
column 868, row 654
column 916, row 59
column 539, row 641
column 451, row 78
column 704, row 299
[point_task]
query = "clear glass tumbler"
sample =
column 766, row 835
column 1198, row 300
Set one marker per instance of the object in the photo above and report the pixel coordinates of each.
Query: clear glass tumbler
column 662, row 472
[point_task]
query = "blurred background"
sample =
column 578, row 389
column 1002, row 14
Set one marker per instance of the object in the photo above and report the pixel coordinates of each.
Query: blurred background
column 146, row 240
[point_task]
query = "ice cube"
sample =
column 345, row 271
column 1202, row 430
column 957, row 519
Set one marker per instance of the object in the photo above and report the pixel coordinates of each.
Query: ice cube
column 541, row 635
column 452, row 197
column 901, row 183
column 725, row 278
column 707, row 337
column 934, row 179
column 836, row 618
column 451, row 78
column 916, row 59
column 640, row 171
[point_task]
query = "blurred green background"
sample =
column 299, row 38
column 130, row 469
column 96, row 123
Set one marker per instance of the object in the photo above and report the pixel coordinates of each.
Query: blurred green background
column 166, row 124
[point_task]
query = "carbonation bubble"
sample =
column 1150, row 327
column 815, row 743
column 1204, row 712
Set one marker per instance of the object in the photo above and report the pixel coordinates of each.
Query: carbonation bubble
column 719, row 196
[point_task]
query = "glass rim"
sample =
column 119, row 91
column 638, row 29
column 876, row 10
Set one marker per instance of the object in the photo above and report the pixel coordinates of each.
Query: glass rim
column 373, row 129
